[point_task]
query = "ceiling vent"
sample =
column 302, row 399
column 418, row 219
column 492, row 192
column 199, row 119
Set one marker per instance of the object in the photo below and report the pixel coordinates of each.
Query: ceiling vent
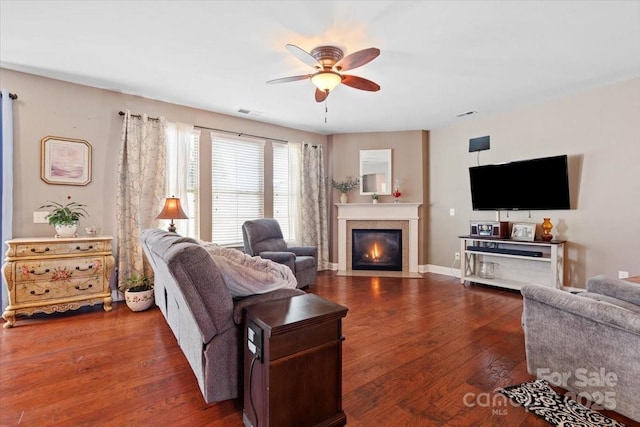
column 468, row 113
column 249, row 112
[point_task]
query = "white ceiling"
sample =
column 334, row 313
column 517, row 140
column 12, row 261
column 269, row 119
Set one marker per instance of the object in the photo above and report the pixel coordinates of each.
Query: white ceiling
column 438, row 58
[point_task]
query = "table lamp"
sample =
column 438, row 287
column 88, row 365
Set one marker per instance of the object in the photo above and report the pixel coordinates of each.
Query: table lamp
column 172, row 210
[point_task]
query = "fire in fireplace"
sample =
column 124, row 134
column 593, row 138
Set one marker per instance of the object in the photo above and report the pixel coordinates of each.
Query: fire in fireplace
column 374, row 249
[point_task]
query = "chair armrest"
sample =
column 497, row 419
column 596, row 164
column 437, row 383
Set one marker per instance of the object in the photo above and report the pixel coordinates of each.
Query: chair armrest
column 596, row 311
column 615, row 288
column 304, row 250
column 286, row 258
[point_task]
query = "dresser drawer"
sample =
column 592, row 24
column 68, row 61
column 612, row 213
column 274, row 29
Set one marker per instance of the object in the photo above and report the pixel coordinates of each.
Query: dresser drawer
column 43, row 291
column 60, row 269
column 48, row 249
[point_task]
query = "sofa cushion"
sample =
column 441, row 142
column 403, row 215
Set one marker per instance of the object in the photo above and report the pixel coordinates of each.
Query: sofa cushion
column 270, row 245
column 616, row 288
column 596, row 311
column 610, row 300
column 263, row 234
column 199, row 279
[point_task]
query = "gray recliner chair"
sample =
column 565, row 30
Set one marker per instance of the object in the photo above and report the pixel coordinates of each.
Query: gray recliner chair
column 263, row 238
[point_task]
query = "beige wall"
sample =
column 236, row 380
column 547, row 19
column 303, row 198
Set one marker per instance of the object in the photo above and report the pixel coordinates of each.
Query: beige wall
column 600, row 131
column 52, row 107
column 408, row 154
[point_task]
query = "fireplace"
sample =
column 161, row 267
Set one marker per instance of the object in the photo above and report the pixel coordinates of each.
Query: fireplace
column 376, row 249
column 379, row 216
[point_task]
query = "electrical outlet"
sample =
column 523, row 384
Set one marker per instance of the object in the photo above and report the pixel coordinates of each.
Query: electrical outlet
column 457, row 256
column 255, row 342
column 40, row 217
column 623, row 274
column 452, row 212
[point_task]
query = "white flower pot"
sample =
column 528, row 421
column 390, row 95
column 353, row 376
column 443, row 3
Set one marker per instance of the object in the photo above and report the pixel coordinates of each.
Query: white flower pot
column 66, row 230
column 344, row 198
column 139, row 301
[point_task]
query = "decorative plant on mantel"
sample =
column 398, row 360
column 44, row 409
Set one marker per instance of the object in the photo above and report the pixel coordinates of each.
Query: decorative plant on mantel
column 138, row 292
column 345, row 186
column 65, row 218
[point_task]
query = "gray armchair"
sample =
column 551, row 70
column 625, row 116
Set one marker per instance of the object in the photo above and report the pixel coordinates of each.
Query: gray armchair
column 263, row 238
column 587, row 343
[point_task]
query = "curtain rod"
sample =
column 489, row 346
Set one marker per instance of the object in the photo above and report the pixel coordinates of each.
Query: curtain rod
column 138, row 116
column 11, row 95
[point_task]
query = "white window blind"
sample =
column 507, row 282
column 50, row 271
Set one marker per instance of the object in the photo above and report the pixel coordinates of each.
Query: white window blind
column 281, row 189
column 237, row 182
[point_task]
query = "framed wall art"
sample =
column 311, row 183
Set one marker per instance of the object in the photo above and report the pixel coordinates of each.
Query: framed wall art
column 523, row 231
column 65, row 161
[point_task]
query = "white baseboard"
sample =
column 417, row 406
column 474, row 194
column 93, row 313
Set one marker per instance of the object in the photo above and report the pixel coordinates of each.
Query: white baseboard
column 438, row 269
column 428, row 268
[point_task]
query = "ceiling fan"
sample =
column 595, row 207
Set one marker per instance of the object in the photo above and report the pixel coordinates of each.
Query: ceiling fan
column 330, row 62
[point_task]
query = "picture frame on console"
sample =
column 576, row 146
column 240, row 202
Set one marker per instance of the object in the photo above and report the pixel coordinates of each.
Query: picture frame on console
column 525, row 231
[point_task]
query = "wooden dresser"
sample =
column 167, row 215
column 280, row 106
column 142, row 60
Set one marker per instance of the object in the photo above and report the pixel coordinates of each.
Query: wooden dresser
column 50, row 275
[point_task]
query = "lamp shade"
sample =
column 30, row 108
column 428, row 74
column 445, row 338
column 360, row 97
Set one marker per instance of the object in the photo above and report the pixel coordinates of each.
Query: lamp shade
column 172, row 209
column 326, row 81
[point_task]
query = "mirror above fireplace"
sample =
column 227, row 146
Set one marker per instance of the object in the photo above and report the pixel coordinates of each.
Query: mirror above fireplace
column 375, row 172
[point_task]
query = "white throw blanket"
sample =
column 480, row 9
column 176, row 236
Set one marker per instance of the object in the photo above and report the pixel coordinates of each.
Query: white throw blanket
column 245, row 275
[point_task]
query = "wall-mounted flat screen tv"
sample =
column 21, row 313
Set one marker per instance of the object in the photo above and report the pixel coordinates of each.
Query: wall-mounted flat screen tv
column 535, row 184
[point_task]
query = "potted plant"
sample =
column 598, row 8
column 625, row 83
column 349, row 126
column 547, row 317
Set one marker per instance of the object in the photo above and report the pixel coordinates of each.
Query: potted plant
column 374, row 198
column 65, row 218
column 345, row 186
column 138, row 292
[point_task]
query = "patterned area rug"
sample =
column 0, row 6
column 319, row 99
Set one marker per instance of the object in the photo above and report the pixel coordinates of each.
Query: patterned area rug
column 557, row 410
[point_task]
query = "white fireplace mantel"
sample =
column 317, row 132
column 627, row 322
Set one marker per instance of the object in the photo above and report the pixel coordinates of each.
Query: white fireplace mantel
column 378, row 212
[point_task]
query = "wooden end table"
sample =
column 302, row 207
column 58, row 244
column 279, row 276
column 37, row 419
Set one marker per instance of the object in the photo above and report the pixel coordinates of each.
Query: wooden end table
column 293, row 363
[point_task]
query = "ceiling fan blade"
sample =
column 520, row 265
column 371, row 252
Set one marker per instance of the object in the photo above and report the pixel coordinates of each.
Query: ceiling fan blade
column 321, row 95
column 290, row 79
column 303, row 56
column 360, row 83
column 357, row 59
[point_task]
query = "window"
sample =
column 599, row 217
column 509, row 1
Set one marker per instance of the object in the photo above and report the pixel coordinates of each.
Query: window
column 281, row 189
column 193, row 187
column 182, row 174
column 237, row 184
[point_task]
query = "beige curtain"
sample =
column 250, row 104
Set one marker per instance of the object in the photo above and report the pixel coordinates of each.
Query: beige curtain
column 141, row 189
column 315, row 225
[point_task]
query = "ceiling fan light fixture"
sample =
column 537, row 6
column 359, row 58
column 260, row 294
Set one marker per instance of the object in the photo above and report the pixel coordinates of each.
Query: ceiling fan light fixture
column 326, row 81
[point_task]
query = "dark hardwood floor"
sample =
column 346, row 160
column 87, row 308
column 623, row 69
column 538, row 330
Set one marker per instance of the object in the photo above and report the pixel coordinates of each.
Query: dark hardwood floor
column 417, row 352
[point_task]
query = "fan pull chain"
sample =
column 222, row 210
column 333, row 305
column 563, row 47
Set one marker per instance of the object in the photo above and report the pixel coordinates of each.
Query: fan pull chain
column 326, row 108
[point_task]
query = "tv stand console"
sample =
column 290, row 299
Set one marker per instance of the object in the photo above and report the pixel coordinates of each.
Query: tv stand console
column 515, row 262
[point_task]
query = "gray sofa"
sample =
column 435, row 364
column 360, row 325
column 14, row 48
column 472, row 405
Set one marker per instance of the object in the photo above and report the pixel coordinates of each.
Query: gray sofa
column 587, row 343
column 205, row 319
